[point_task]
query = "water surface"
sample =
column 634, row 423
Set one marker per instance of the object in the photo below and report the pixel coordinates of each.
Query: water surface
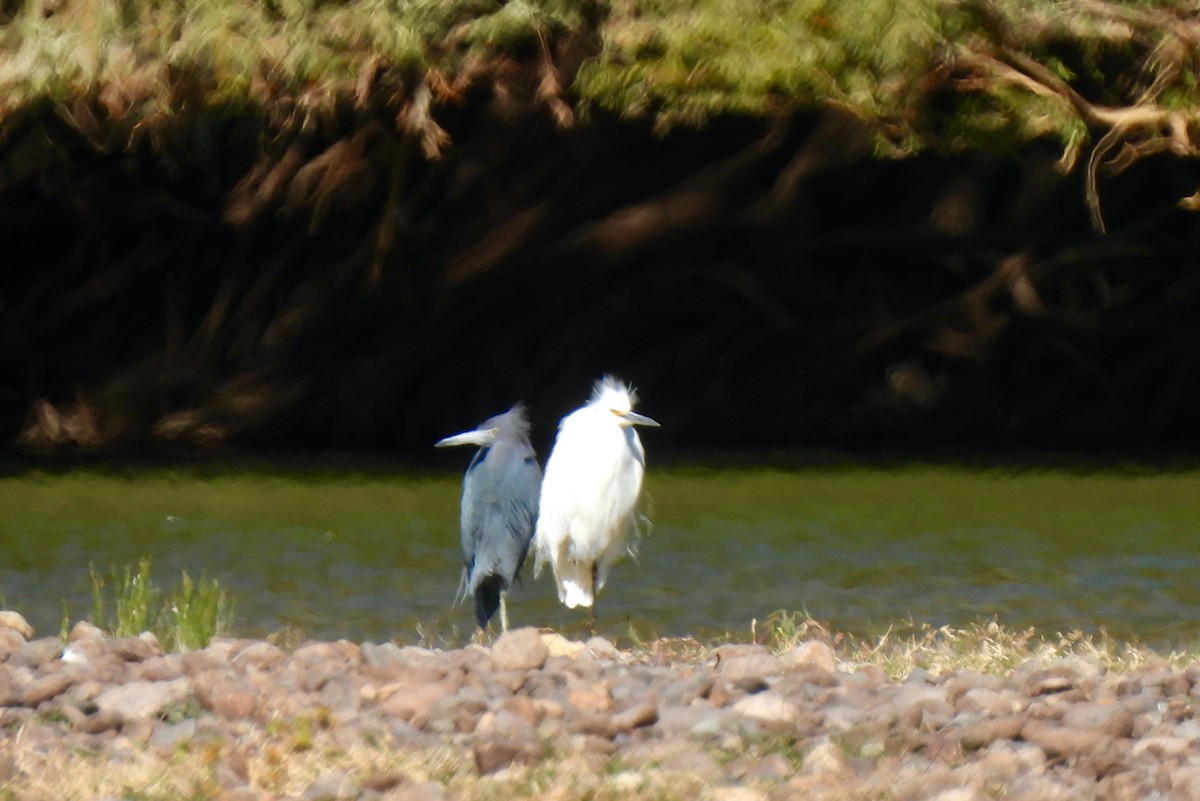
column 374, row 554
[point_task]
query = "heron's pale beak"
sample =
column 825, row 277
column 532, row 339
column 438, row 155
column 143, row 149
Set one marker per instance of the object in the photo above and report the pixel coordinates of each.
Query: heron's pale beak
column 476, row 437
column 635, row 419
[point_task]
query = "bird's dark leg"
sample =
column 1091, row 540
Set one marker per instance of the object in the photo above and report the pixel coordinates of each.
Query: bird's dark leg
column 592, row 619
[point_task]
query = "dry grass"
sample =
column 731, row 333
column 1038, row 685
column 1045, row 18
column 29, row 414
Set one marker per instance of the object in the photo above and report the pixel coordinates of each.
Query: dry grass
column 287, row 765
column 986, row 647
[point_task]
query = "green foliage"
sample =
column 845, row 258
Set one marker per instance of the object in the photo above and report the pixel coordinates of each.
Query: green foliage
column 129, row 603
column 926, row 72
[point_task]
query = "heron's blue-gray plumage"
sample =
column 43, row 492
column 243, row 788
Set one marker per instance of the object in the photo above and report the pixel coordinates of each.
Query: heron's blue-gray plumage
column 499, row 510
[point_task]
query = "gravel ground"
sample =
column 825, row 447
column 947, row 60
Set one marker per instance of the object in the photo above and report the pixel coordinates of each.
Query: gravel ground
column 534, row 715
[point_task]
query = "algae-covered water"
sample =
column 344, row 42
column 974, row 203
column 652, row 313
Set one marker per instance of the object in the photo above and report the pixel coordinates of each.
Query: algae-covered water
column 374, row 554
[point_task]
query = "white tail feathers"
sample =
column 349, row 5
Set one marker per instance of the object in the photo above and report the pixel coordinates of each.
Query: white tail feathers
column 574, row 595
column 575, row 584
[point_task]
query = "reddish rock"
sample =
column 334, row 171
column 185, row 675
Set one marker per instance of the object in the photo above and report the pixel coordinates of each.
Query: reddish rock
column 407, row 701
column 811, row 654
column 1112, row 720
column 44, row 688
column 225, row 697
column 135, row 649
column 520, row 649
column 494, row 752
column 142, row 699
column 1062, row 741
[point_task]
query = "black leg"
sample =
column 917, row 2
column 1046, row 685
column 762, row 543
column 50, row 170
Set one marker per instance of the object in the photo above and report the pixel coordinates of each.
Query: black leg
column 595, row 600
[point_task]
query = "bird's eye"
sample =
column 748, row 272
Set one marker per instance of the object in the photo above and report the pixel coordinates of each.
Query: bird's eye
column 617, row 412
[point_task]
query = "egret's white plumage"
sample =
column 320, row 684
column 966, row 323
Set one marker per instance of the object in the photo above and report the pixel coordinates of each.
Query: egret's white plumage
column 588, row 503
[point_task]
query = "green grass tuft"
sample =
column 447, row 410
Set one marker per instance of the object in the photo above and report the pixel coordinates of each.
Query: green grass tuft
column 129, row 603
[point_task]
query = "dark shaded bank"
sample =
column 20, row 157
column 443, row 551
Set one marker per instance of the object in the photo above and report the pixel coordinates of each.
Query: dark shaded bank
column 762, row 284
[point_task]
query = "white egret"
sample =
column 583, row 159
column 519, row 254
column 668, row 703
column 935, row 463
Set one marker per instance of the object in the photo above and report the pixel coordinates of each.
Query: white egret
column 588, row 506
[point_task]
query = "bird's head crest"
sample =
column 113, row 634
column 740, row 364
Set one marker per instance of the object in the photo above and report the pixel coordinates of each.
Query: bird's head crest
column 613, row 393
column 515, row 421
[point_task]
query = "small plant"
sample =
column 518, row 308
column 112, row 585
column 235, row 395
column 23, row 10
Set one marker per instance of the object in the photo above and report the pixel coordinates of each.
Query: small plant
column 784, row 630
column 129, row 603
column 197, row 612
column 135, row 600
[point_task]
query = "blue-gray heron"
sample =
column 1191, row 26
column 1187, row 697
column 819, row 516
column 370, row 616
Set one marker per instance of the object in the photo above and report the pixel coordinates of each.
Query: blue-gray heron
column 588, row 505
column 499, row 507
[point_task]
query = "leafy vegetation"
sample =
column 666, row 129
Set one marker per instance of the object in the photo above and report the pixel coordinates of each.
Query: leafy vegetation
column 129, row 603
column 950, row 71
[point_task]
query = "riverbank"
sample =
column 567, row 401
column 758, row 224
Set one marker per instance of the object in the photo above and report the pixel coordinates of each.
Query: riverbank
column 344, row 226
column 534, row 715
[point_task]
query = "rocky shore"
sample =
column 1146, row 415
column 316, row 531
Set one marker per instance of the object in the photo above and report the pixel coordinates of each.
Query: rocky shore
column 534, row 715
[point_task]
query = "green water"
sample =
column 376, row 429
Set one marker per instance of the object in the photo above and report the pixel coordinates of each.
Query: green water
column 374, row 554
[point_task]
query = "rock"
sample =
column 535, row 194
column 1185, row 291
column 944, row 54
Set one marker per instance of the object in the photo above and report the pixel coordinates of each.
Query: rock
column 82, row 651
column 494, row 752
column 415, row 791
column 1004, row 761
column 387, row 780
column 602, row 648
column 384, row 655
column 975, row 732
column 142, row 699
column 407, row 701
column 1044, row 682
column 520, row 649
column 45, row 688
column 754, row 667
column 591, row 698
column 15, row 621
column 135, row 649
column 962, row 682
column 824, row 757
column 84, row 630
column 768, row 708
column 769, row 769
column 959, row 794
column 1061, row 741
column 1113, row 720
column 35, row 653
column 259, row 655
column 1161, row 746
column 225, row 697
column 101, row 721
column 687, row 689
column 473, row 658
column 677, row 720
column 644, row 714
column 1185, row 783
column 738, row 649
column 159, row 668
column 811, row 654
column 991, row 702
column 167, row 736
column 10, row 688
column 334, row 786
column 558, row 645
column 734, row 794
column 341, row 653
column 1063, row 674
column 10, row 642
